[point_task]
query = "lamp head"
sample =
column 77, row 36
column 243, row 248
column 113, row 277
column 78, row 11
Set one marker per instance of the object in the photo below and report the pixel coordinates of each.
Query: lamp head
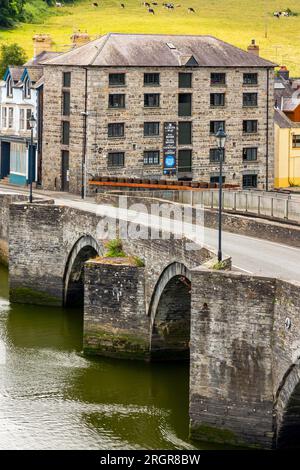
column 221, row 138
column 32, row 121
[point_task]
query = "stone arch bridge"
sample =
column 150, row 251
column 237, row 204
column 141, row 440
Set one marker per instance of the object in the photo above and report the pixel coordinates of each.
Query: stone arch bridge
column 241, row 332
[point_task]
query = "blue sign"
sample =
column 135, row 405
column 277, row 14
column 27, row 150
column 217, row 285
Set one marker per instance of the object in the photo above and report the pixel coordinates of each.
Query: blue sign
column 170, row 161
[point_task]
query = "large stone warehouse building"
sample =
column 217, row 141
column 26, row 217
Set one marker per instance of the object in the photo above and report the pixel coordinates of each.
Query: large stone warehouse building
column 148, row 106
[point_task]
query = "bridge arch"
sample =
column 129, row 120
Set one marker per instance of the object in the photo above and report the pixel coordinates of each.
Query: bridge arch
column 170, row 314
column 288, row 409
column 84, row 249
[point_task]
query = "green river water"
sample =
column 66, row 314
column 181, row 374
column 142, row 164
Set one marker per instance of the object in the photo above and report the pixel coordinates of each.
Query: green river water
column 51, row 397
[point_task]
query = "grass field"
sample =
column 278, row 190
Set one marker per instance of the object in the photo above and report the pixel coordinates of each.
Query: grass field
column 235, row 21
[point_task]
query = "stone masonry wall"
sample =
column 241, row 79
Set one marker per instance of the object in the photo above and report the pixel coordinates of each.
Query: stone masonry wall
column 36, row 251
column 245, row 359
column 134, row 115
column 5, row 201
column 115, row 320
column 286, row 357
column 231, row 395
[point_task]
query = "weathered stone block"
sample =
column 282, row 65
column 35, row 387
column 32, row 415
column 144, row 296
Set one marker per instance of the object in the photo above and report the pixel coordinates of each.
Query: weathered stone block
column 115, row 320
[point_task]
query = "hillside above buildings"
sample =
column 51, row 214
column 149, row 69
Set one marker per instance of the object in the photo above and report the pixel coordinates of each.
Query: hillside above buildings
column 232, row 21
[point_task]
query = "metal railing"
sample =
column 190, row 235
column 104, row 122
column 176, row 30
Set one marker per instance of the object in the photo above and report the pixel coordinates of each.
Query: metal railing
column 263, row 204
column 273, row 205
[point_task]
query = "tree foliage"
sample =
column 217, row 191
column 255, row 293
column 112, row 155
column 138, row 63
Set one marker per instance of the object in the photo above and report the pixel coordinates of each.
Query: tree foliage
column 10, row 11
column 11, row 54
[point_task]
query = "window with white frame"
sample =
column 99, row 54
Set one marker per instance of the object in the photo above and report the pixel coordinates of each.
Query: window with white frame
column 3, row 117
column 25, row 114
column 18, row 158
column 27, row 91
column 22, row 119
column 9, row 91
column 10, row 118
column 28, row 116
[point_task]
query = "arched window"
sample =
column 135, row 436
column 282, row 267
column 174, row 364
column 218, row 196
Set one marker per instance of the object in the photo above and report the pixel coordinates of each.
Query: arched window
column 27, row 91
column 9, row 87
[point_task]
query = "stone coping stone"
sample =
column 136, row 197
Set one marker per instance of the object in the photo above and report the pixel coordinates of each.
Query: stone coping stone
column 124, row 261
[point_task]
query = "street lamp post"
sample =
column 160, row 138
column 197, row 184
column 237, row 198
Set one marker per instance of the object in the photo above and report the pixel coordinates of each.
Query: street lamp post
column 32, row 123
column 221, row 140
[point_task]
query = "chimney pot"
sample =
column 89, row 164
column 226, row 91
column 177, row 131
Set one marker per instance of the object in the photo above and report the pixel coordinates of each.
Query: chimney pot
column 253, row 48
column 79, row 38
column 41, row 43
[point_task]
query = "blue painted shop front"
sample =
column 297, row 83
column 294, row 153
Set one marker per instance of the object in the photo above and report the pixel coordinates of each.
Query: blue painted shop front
column 15, row 162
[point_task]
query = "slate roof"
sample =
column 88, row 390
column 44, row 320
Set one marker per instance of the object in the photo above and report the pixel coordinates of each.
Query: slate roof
column 16, row 73
column 115, row 50
column 35, row 73
column 41, row 57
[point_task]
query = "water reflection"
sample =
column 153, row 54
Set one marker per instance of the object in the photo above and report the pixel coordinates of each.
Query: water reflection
column 51, row 397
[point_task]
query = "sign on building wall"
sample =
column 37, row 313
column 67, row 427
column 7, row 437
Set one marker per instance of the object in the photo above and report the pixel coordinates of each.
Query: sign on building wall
column 169, row 160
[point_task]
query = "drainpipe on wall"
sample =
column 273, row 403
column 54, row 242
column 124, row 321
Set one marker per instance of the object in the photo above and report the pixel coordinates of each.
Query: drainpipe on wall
column 267, row 132
column 289, row 156
column 84, row 144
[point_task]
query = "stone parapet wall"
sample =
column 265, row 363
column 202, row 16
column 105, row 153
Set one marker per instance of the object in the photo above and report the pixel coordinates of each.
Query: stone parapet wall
column 234, row 223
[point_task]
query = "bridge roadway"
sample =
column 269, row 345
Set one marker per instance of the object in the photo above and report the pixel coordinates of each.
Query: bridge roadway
column 252, row 255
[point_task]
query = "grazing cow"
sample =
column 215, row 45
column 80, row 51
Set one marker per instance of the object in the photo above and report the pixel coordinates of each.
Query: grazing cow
column 154, row 3
column 147, row 5
column 191, row 10
column 151, row 11
column 58, row 4
column 122, row 5
column 95, row 5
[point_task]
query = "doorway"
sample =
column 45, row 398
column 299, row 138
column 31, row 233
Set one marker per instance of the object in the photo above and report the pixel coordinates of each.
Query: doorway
column 65, row 170
column 5, row 159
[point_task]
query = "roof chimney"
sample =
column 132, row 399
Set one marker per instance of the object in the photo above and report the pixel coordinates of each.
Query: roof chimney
column 283, row 72
column 41, row 42
column 253, row 48
column 79, row 38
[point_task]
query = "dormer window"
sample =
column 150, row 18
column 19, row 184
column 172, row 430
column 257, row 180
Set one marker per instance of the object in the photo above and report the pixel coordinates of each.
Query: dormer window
column 27, row 91
column 9, row 91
